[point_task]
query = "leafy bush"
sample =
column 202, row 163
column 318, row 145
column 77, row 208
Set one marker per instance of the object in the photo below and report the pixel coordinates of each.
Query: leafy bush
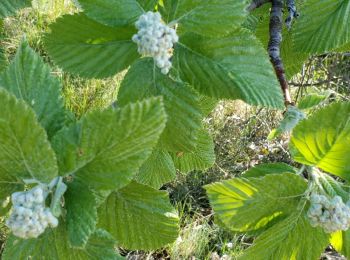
column 102, row 172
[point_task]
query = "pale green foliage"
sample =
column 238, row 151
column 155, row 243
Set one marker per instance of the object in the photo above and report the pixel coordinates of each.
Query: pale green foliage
column 116, row 12
column 28, row 78
column 291, row 238
column 275, row 205
column 311, row 101
column 225, row 68
column 53, row 245
column 345, row 249
column 220, row 68
column 341, row 242
column 139, row 217
column 99, row 153
column 82, row 46
column 81, row 208
column 25, row 152
column 157, row 170
column 209, row 18
column 291, row 118
column 324, row 140
column 201, row 158
column 268, row 168
column 250, row 204
column 107, row 156
column 180, row 101
column 323, row 26
column 9, row 7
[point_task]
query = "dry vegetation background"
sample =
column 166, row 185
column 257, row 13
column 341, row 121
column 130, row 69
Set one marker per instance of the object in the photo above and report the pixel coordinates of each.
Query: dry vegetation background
column 240, row 132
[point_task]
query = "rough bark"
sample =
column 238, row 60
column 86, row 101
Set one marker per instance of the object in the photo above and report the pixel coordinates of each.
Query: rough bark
column 276, row 23
column 292, row 13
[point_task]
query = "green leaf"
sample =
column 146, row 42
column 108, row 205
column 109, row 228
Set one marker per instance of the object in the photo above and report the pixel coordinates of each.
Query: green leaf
column 30, row 79
column 116, row 12
column 311, row 101
column 106, row 148
column 345, row 249
column 213, row 18
column 53, row 245
column 8, row 185
column 207, row 104
column 287, row 240
column 3, row 60
column 268, row 168
column 139, row 217
column 291, row 118
column 250, row 204
column 157, row 170
column 81, row 208
column 323, row 140
column 227, row 68
column 82, row 46
column 180, row 101
column 323, row 26
column 10, row 7
column 25, row 152
column 202, row 158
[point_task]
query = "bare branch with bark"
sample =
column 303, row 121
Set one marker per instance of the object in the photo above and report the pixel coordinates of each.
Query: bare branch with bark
column 292, row 10
column 276, row 23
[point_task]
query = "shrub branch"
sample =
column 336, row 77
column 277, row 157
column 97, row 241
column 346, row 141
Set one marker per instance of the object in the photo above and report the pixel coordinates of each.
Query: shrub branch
column 292, row 10
column 276, row 23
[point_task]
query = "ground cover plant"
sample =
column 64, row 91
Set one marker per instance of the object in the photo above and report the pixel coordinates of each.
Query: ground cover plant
column 88, row 187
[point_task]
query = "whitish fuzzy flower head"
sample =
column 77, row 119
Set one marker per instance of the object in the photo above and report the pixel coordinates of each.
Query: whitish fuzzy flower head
column 330, row 214
column 29, row 216
column 155, row 39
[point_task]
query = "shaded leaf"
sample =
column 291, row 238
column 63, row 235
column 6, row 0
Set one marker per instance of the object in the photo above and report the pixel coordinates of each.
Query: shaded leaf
column 323, row 26
column 180, row 101
column 81, row 208
column 311, row 101
column 201, row 158
column 25, row 152
column 268, row 168
column 53, row 245
column 202, row 16
column 207, row 104
column 116, row 12
column 10, row 7
column 139, row 217
column 226, row 68
column 82, row 46
column 157, row 170
column 286, row 240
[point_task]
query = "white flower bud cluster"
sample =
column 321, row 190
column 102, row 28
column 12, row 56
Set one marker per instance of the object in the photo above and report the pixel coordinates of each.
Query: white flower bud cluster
column 330, row 214
column 29, row 216
column 155, row 39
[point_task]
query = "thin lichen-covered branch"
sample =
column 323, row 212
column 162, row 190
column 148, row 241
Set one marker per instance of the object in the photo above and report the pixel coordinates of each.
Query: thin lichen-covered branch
column 276, row 23
column 292, row 10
